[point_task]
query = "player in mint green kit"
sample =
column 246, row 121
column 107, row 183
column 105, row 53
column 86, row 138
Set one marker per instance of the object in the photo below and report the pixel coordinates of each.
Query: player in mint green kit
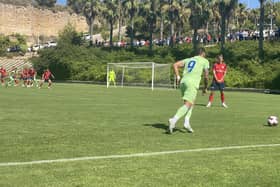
column 189, row 85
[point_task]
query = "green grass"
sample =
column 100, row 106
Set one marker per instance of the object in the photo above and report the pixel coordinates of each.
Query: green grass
column 77, row 120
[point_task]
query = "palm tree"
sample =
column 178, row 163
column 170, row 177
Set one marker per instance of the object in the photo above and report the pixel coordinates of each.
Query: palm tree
column 261, row 52
column 198, row 18
column 215, row 18
column 121, row 14
column 183, row 16
column 241, row 15
column 162, row 14
column 254, row 14
column 110, row 12
column 226, row 8
column 89, row 8
column 131, row 6
column 172, row 15
column 149, row 11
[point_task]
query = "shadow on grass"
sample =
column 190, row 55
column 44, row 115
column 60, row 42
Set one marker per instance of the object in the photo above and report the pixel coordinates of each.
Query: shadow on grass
column 163, row 127
column 199, row 104
column 267, row 125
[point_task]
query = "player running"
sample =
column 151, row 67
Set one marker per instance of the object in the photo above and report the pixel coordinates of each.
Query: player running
column 218, row 83
column 193, row 68
column 112, row 77
column 46, row 78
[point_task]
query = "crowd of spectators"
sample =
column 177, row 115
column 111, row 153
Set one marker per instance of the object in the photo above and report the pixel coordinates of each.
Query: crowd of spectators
column 204, row 38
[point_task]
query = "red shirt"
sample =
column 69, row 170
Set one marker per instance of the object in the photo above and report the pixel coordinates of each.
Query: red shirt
column 3, row 72
column 220, row 70
column 32, row 72
column 25, row 73
column 47, row 75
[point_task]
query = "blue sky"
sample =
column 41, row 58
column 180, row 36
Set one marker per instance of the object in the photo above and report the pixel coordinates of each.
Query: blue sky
column 249, row 3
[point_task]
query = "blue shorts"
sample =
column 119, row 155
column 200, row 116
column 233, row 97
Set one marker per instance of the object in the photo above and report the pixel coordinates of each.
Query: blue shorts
column 217, row 85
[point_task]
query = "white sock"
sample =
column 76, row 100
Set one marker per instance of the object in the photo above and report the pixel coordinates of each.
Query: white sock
column 187, row 122
column 174, row 119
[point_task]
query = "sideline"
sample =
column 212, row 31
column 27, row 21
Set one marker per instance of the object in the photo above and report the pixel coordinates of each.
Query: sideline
column 134, row 155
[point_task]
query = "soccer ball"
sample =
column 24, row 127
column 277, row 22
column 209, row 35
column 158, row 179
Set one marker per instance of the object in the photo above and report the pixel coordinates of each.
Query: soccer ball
column 272, row 121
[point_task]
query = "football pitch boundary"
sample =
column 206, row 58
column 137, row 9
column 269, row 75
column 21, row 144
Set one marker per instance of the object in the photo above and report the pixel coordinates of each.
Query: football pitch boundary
column 6, row 164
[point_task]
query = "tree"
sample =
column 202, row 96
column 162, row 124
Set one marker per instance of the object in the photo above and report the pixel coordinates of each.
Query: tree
column 89, row 8
column 261, row 52
column 226, row 9
column 183, row 16
column 47, row 3
column 110, row 12
column 69, row 36
column 241, row 15
column 4, row 44
column 131, row 7
column 198, row 18
column 149, row 11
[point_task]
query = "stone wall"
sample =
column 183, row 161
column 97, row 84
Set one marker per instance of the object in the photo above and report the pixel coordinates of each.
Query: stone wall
column 34, row 22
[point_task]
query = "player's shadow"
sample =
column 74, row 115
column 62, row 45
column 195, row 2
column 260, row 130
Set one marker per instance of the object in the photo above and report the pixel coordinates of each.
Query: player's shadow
column 163, row 127
column 200, row 104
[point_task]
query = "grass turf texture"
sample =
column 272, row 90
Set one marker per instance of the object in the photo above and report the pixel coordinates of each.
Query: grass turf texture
column 84, row 120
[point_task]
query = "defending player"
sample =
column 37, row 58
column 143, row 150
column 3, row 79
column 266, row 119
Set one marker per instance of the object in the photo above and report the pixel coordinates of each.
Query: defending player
column 112, row 77
column 218, row 83
column 24, row 76
column 32, row 77
column 193, row 68
column 46, row 78
column 3, row 74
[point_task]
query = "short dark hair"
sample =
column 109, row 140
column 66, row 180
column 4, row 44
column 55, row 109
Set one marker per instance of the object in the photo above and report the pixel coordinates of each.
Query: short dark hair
column 201, row 50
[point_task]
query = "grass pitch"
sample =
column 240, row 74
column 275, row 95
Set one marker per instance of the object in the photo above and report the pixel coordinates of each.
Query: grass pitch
column 74, row 120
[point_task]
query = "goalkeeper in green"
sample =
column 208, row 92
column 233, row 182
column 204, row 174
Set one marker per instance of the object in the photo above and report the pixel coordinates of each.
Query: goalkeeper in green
column 112, row 77
column 193, row 69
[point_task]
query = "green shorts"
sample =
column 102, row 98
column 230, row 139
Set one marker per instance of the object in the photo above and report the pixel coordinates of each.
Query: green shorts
column 188, row 91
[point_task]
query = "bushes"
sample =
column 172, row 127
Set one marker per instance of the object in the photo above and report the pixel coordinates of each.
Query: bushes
column 71, row 59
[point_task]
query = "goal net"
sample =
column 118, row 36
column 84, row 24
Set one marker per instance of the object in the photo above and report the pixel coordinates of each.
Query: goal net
column 145, row 74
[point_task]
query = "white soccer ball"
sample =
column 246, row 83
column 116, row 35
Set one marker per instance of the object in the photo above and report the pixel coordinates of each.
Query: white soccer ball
column 272, row 121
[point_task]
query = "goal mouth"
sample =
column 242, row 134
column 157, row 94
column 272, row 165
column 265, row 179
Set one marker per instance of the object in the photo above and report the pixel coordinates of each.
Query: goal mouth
column 139, row 74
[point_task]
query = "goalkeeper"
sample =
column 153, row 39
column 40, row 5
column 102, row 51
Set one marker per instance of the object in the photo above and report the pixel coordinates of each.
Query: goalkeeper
column 193, row 68
column 112, row 77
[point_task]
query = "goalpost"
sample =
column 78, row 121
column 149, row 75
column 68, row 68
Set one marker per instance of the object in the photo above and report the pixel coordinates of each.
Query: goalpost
column 145, row 74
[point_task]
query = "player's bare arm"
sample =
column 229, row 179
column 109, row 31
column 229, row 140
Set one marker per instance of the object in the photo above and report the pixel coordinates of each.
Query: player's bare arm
column 176, row 66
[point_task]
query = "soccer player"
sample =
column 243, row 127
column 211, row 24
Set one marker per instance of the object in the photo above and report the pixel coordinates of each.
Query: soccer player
column 24, row 76
column 218, row 83
column 46, row 78
column 13, row 77
column 193, row 69
column 112, row 77
column 32, row 77
column 3, row 73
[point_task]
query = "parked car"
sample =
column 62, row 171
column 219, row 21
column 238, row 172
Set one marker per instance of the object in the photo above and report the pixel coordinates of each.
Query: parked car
column 36, row 47
column 14, row 49
column 52, row 44
column 86, row 37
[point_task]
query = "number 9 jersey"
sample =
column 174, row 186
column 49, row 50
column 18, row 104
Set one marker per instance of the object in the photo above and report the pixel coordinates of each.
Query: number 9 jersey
column 193, row 69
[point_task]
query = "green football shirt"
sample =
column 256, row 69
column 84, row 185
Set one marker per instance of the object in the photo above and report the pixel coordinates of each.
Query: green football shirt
column 193, row 69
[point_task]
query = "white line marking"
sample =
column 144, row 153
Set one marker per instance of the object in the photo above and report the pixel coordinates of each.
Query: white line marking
column 134, row 155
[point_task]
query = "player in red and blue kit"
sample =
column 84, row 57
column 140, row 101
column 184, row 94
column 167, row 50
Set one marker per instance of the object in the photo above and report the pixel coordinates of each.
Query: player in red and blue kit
column 3, row 75
column 46, row 77
column 218, row 83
